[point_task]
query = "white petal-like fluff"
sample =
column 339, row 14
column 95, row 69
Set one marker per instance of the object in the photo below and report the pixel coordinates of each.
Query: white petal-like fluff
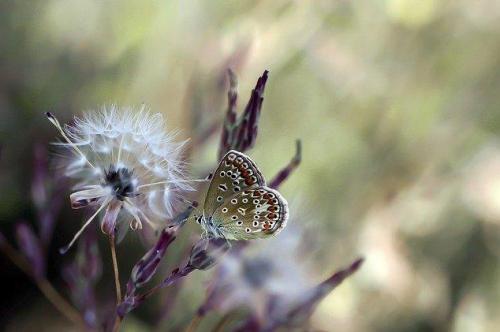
column 134, row 139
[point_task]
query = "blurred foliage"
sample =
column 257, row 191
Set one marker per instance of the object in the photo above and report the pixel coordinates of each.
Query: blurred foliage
column 396, row 102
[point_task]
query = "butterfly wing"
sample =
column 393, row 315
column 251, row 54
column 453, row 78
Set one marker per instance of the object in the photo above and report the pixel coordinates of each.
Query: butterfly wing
column 257, row 212
column 235, row 173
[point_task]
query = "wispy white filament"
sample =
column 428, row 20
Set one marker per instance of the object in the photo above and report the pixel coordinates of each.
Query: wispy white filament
column 128, row 139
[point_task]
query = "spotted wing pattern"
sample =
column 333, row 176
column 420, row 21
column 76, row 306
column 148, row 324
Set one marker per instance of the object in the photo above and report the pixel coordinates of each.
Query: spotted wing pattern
column 236, row 172
column 254, row 213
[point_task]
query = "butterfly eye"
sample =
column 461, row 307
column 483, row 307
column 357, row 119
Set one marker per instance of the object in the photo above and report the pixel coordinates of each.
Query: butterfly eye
column 244, row 200
column 255, row 223
column 235, row 183
column 248, row 230
column 222, row 174
column 256, row 217
column 224, row 210
column 275, row 201
column 229, row 173
column 220, row 198
column 255, row 201
column 239, row 223
column 231, row 156
column 234, row 201
column 234, row 217
column 236, row 189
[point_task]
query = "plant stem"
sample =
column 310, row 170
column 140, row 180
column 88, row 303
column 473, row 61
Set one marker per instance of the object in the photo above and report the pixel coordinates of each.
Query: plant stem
column 50, row 293
column 118, row 320
column 220, row 325
column 116, row 325
column 194, row 323
column 59, row 302
column 115, row 269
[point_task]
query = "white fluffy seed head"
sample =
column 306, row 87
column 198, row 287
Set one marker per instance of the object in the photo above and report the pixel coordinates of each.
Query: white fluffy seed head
column 133, row 139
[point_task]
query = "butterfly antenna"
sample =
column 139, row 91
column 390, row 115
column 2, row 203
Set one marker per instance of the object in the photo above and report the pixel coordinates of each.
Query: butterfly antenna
column 192, row 204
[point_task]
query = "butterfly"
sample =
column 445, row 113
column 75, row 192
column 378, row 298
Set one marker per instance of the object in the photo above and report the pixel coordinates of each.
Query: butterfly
column 239, row 205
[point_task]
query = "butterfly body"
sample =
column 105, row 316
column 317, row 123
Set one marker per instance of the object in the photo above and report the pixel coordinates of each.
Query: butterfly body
column 238, row 205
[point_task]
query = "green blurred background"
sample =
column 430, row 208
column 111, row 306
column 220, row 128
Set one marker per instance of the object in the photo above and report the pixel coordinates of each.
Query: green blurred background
column 396, row 102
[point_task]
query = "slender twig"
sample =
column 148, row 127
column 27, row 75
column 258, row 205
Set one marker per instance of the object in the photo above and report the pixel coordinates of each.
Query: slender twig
column 195, row 321
column 52, row 295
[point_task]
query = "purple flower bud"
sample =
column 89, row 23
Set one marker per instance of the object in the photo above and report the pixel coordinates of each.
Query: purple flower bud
column 132, row 301
column 145, row 269
column 206, row 252
column 240, row 134
column 30, row 246
column 252, row 113
column 229, row 121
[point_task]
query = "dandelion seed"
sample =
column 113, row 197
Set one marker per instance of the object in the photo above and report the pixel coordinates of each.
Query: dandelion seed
column 124, row 161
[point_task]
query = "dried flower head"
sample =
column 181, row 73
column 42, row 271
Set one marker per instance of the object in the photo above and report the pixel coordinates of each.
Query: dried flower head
column 123, row 159
column 256, row 276
column 273, row 280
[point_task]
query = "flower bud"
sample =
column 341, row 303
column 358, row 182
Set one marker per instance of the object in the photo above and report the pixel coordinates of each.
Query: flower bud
column 144, row 270
column 206, row 252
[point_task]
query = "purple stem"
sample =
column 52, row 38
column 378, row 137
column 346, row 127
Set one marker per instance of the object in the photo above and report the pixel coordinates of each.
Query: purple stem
column 288, row 169
column 81, row 276
column 31, row 247
column 132, row 301
column 303, row 311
